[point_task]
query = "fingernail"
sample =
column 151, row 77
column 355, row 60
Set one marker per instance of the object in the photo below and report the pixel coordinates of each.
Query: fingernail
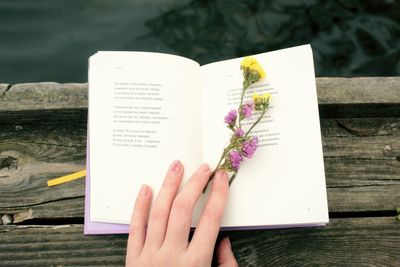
column 204, row 168
column 221, row 177
column 175, row 167
column 143, row 190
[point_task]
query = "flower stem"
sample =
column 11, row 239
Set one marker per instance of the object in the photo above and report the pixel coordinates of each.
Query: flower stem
column 232, row 178
column 219, row 162
column 224, row 153
column 255, row 123
column 241, row 103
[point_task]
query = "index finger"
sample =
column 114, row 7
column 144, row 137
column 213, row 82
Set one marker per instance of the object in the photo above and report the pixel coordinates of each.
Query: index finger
column 207, row 229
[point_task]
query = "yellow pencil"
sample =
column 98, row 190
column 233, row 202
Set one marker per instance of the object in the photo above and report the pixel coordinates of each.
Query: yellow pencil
column 66, row 178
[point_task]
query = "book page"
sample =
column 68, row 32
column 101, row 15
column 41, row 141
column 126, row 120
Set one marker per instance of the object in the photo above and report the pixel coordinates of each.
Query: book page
column 144, row 112
column 284, row 182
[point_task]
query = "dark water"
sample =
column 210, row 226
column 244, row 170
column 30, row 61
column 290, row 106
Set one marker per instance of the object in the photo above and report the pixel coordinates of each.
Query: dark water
column 50, row 40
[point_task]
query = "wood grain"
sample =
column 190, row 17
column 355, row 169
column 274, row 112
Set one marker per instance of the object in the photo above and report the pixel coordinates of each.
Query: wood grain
column 32, row 154
column 43, row 135
column 51, row 95
column 337, row 97
column 344, row 242
column 43, row 96
column 361, row 158
column 358, row 97
column 59, row 245
column 360, row 90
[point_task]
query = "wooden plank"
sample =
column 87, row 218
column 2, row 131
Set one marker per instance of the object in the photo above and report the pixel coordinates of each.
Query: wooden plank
column 338, row 97
column 45, row 102
column 29, row 156
column 358, row 97
column 3, row 89
column 59, row 245
column 361, row 162
column 51, row 95
column 361, row 90
column 38, row 143
column 43, row 117
column 362, row 142
column 44, row 96
column 358, row 127
column 60, row 209
column 344, row 242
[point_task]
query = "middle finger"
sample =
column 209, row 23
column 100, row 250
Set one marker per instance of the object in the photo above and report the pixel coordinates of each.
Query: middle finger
column 181, row 213
column 161, row 209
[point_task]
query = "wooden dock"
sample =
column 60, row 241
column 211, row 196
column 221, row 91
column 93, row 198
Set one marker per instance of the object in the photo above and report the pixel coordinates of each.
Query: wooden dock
column 43, row 136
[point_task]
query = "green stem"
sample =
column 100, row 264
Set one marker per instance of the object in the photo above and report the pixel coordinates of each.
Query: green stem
column 241, row 102
column 224, row 153
column 255, row 123
column 220, row 160
column 246, row 83
column 232, row 178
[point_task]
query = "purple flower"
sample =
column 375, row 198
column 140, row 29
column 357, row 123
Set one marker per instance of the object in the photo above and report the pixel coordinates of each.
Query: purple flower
column 235, row 158
column 249, row 147
column 230, row 119
column 247, row 109
column 239, row 132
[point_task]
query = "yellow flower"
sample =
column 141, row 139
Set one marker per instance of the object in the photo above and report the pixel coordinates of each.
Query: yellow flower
column 266, row 96
column 261, row 102
column 256, row 98
column 252, row 65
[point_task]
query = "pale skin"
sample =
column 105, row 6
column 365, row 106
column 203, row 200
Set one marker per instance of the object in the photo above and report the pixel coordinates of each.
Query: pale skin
column 158, row 235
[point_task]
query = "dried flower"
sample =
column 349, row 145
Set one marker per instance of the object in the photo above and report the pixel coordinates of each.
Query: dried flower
column 241, row 144
column 239, row 132
column 230, row 119
column 235, row 159
column 249, row 147
column 251, row 65
column 261, row 102
column 247, row 110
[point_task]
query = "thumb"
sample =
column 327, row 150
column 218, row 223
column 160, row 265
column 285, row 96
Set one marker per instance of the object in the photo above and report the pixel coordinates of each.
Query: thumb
column 225, row 255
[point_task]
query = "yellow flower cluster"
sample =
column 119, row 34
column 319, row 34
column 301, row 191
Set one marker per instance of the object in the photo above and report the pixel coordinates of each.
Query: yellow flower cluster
column 261, row 102
column 258, row 98
column 252, row 65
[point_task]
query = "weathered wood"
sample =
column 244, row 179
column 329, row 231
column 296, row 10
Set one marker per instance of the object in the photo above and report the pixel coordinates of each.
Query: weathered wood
column 358, row 127
column 43, row 135
column 6, row 219
column 46, row 102
column 358, row 97
column 344, row 242
column 338, row 97
column 361, row 162
column 43, row 117
column 43, row 96
column 58, row 209
column 362, row 90
column 51, row 95
column 29, row 156
column 59, row 245
column 3, row 89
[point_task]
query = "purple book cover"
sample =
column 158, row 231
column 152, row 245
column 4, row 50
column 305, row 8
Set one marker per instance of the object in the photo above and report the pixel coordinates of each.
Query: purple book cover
column 95, row 228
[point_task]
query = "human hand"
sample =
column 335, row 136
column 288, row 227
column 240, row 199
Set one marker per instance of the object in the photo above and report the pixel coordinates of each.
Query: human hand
column 165, row 243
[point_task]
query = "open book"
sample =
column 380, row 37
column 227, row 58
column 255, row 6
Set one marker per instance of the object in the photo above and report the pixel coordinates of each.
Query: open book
column 148, row 109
